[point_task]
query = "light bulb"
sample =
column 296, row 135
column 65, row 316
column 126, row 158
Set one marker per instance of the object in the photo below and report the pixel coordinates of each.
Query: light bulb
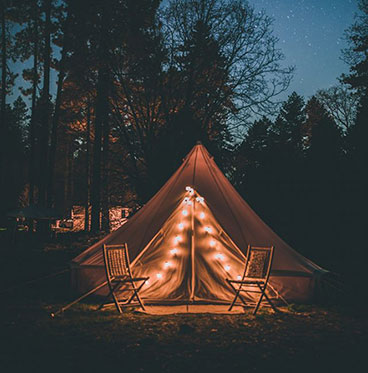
column 200, row 199
column 159, row 275
column 167, row 264
column 212, row 243
column 227, row 268
column 185, row 212
column 202, row 215
column 187, row 201
column 174, row 251
column 181, row 226
column 147, row 282
column 238, row 277
column 219, row 256
column 177, row 239
column 190, row 190
column 208, row 229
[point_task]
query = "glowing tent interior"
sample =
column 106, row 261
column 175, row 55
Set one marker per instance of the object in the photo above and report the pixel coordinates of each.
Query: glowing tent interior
column 191, row 236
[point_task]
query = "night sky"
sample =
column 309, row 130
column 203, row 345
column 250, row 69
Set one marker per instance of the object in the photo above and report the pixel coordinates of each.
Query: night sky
column 311, row 35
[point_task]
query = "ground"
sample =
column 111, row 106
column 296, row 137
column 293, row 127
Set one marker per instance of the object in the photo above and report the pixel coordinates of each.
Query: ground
column 302, row 338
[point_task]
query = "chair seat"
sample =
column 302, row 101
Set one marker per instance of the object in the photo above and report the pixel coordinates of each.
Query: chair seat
column 128, row 279
column 245, row 281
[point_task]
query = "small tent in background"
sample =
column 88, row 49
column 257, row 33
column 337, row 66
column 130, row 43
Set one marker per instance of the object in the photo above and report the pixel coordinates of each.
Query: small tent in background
column 191, row 236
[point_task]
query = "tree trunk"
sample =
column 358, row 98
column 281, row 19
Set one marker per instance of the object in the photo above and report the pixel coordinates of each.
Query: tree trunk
column 101, row 114
column 88, row 145
column 45, row 105
column 105, row 177
column 32, row 139
column 55, row 118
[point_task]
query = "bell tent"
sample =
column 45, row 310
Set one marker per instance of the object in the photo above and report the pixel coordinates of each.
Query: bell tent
column 191, row 236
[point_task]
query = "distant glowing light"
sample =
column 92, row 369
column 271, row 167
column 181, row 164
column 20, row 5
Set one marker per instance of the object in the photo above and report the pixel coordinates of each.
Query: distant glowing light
column 200, row 199
column 238, row 277
column 159, row 275
column 177, row 239
column 202, row 215
column 167, row 264
column 190, row 190
column 147, row 282
column 227, row 268
column 219, row 256
column 212, row 243
column 181, row 226
column 174, row 251
column 188, row 201
column 185, row 212
column 208, row 229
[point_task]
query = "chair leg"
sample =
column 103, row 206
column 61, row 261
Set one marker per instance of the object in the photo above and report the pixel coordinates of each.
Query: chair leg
column 270, row 303
column 237, row 292
column 263, row 291
column 258, row 303
column 136, row 295
column 237, row 295
column 111, row 293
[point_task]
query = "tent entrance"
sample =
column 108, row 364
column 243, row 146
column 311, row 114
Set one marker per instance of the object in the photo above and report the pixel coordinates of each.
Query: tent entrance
column 190, row 257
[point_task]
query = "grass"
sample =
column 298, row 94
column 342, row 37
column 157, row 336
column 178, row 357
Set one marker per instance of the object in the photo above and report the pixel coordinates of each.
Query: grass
column 303, row 338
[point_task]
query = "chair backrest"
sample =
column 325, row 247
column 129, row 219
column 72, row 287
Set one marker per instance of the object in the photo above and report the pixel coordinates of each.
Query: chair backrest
column 258, row 264
column 116, row 260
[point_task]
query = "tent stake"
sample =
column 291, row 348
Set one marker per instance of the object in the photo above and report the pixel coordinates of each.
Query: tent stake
column 77, row 300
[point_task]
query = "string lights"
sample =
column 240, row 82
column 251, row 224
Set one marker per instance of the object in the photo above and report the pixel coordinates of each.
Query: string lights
column 177, row 239
column 208, row 229
column 174, row 251
column 181, row 225
column 219, row 256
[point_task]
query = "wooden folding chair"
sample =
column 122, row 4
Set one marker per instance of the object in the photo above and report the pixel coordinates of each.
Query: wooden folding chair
column 255, row 277
column 119, row 275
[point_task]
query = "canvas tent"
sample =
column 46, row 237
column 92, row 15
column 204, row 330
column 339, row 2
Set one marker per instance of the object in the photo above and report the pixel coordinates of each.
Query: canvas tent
column 191, row 236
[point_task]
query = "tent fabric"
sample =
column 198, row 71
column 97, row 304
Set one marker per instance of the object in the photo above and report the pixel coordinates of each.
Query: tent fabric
column 192, row 308
column 197, row 274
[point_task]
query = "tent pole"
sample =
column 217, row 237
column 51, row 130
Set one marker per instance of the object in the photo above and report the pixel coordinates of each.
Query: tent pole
column 78, row 299
column 192, row 252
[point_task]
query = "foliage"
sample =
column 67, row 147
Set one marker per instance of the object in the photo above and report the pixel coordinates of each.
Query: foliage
column 356, row 54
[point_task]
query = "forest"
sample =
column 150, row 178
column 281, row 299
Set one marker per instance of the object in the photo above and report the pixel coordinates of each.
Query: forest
column 114, row 94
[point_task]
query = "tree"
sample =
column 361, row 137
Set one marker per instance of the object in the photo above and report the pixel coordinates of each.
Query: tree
column 244, row 39
column 341, row 104
column 323, row 179
column 14, row 148
column 7, row 77
column 288, row 126
column 356, row 55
